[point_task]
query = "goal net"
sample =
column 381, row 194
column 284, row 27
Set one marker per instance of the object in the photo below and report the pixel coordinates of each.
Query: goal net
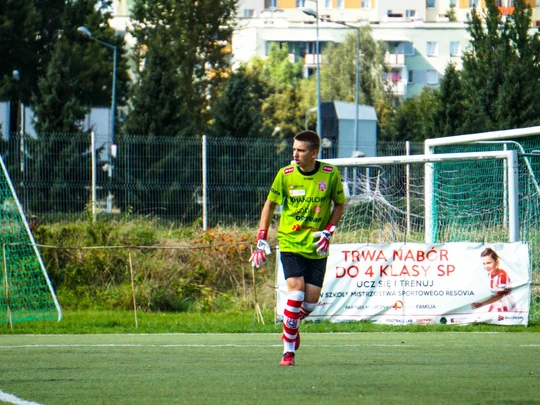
column 26, row 292
column 476, row 194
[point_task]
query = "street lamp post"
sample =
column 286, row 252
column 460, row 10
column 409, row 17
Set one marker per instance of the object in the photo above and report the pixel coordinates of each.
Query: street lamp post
column 315, row 13
column 86, row 32
column 20, row 130
column 17, row 77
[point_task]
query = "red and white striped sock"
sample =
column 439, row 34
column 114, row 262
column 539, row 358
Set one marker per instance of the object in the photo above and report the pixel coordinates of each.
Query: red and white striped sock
column 291, row 319
column 306, row 309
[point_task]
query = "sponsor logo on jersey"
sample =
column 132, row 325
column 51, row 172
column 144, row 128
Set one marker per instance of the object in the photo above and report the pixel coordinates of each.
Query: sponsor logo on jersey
column 308, row 218
column 322, row 185
column 296, row 227
column 317, row 209
column 308, row 199
column 288, row 170
column 297, row 193
column 327, row 169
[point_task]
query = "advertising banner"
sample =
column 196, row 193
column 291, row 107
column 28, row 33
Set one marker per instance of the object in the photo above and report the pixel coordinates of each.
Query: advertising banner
column 416, row 283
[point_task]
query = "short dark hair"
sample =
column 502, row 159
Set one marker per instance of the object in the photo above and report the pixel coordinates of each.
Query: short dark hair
column 490, row 252
column 309, row 137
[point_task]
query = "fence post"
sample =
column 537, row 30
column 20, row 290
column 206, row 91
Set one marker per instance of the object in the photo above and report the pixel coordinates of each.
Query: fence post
column 93, row 171
column 204, row 183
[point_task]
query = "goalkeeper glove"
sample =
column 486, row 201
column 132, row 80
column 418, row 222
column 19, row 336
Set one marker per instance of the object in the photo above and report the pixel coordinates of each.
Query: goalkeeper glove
column 258, row 257
column 324, row 239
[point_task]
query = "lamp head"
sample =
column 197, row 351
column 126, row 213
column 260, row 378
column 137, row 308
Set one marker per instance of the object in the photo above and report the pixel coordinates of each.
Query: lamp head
column 16, row 75
column 84, row 31
column 309, row 11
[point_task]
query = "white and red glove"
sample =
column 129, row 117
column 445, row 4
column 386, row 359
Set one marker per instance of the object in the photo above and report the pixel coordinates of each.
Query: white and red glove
column 258, row 257
column 324, row 236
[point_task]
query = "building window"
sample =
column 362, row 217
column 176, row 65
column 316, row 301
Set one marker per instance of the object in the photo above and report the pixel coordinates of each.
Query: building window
column 432, row 77
column 248, row 13
column 431, row 49
column 455, row 49
column 453, row 3
column 408, row 48
column 473, row 3
column 367, row 3
column 537, row 3
column 411, row 76
column 410, row 13
column 327, row 3
column 431, row 3
column 299, row 3
column 341, row 4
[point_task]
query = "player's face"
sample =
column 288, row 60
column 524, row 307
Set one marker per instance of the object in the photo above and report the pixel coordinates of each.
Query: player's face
column 303, row 156
column 490, row 265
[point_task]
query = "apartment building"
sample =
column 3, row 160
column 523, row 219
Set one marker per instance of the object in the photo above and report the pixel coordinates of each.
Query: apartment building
column 377, row 11
column 417, row 52
column 422, row 36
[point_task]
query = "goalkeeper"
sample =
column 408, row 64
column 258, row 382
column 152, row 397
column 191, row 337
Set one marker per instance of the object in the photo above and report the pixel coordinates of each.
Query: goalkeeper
column 312, row 199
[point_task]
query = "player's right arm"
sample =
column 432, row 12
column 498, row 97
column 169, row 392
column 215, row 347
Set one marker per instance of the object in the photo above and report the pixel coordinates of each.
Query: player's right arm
column 258, row 257
column 267, row 214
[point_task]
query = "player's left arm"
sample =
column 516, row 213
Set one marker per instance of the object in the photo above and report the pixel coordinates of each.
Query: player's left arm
column 323, row 243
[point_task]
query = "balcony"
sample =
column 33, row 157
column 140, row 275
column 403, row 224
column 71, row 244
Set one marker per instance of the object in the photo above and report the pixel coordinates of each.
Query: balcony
column 311, row 59
column 394, row 59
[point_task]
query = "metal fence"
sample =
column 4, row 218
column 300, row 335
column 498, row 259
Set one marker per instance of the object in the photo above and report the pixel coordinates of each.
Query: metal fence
column 184, row 180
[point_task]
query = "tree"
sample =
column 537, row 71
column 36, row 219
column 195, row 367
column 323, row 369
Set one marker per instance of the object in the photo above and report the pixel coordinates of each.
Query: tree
column 19, row 23
column 282, row 94
column 157, row 107
column 65, row 93
column 238, row 112
column 449, row 112
column 501, row 69
column 413, row 120
column 70, row 86
column 195, row 37
column 338, row 75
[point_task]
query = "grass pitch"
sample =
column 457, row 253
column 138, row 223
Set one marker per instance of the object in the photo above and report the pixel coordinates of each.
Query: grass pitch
column 242, row 368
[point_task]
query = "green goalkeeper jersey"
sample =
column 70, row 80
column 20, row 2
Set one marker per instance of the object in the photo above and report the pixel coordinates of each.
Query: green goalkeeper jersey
column 306, row 200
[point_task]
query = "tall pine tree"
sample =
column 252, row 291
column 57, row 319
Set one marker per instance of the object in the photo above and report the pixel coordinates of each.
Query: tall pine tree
column 194, row 36
column 500, row 70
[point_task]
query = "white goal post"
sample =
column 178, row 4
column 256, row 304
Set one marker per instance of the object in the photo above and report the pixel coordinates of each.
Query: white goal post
column 510, row 157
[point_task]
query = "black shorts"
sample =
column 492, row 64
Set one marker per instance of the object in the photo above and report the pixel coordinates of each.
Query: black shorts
column 295, row 265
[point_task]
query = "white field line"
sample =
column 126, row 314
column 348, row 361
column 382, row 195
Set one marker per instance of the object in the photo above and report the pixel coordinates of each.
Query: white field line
column 12, row 399
column 31, row 346
column 37, row 346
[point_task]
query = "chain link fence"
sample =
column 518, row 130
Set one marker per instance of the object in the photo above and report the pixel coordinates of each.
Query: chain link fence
column 182, row 180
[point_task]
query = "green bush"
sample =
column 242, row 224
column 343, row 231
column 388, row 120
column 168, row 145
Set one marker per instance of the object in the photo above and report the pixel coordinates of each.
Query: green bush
column 174, row 269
